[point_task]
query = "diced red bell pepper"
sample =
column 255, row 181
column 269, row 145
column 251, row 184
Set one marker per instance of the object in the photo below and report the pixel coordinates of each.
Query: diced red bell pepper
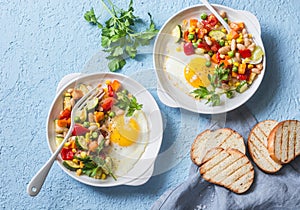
column 246, row 53
column 188, row 48
column 107, row 103
column 79, row 130
column 212, row 20
column 204, row 46
column 110, row 91
column 67, row 154
column 65, row 114
column 215, row 46
column 242, row 77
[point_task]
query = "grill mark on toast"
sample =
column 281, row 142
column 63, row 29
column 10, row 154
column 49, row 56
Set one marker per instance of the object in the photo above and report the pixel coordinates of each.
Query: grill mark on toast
column 209, row 168
column 295, row 138
column 266, row 157
column 257, row 138
column 261, row 130
column 238, row 159
column 206, row 160
column 218, row 163
column 221, row 168
column 245, row 174
column 232, row 172
column 280, row 150
column 228, row 137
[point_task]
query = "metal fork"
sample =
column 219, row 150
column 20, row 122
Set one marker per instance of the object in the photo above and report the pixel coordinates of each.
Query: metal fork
column 36, row 183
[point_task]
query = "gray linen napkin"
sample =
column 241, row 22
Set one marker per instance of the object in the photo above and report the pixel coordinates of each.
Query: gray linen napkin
column 268, row 191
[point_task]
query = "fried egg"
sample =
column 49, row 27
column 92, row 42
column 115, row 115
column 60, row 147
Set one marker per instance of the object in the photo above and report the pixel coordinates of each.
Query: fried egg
column 187, row 72
column 129, row 138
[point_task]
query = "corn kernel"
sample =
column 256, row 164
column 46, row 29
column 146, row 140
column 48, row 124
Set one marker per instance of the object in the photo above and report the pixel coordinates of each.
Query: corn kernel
column 81, row 164
column 191, row 30
column 237, row 84
column 103, row 176
column 107, row 82
column 74, row 150
column 239, row 40
column 75, row 161
column 78, row 172
column 83, row 154
column 67, row 144
column 197, row 30
column 236, row 64
column 224, row 30
column 250, row 66
column 226, row 44
column 250, row 36
column 98, row 125
column 105, row 89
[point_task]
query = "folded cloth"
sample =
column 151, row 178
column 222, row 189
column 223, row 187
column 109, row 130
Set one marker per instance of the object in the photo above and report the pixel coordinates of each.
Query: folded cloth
column 268, row 191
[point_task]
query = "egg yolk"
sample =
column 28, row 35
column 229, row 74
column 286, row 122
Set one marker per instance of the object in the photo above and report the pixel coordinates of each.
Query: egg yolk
column 196, row 72
column 124, row 133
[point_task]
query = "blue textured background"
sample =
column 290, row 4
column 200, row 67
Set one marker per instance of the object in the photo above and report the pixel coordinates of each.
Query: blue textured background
column 41, row 41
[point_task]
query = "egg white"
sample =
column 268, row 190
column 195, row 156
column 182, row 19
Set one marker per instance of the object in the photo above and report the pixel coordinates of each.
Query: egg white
column 125, row 157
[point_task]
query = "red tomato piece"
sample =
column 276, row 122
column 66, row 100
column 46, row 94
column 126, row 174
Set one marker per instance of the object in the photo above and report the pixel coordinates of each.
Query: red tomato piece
column 107, row 103
column 110, row 91
column 215, row 46
column 212, row 20
column 188, row 48
column 242, row 77
column 204, row 46
column 67, row 154
column 246, row 53
column 65, row 114
column 79, row 130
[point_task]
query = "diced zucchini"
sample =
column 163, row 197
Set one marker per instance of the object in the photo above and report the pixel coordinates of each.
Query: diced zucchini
column 217, row 35
column 58, row 139
column 81, row 143
column 69, row 164
column 177, row 33
column 58, row 129
column 242, row 87
column 92, row 104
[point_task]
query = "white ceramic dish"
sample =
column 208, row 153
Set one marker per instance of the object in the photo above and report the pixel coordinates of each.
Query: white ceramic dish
column 143, row 169
column 169, row 93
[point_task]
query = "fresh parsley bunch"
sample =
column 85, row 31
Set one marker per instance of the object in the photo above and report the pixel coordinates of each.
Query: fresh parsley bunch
column 220, row 75
column 119, row 38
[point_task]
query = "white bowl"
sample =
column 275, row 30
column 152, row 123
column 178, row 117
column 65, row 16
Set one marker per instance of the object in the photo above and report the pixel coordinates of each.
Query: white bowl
column 169, row 93
column 143, row 169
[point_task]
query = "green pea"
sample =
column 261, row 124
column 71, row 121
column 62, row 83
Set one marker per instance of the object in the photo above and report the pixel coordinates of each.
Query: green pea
column 195, row 45
column 86, row 124
column 203, row 16
column 226, row 20
column 231, row 54
column 77, row 119
column 222, row 42
column 208, row 63
column 199, row 40
column 94, row 135
column 210, row 53
column 191, row 36
column 235, row 69
column 112, row 114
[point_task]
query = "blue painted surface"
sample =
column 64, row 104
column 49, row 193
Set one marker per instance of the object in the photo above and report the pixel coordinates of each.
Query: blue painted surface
column 41, row 41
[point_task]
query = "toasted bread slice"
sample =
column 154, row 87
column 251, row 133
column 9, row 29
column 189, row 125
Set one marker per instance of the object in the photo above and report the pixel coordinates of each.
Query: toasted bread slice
column 258, row 143
column 229, row 168
column 284, row 141
column 224, row 137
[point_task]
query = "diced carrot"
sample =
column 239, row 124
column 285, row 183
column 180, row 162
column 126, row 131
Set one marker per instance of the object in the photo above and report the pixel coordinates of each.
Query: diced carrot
column 186, row 36
column 115, row 85
column 242, row 68
column 234, row 74
column 214, row 59
column 241, row 25
column 193, row 22
column 69, row 122
column 98, row 116
column 225, row 62
column 233, row 34
column 62, row 123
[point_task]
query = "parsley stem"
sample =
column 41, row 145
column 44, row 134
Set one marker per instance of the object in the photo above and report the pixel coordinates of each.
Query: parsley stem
column 108, row 10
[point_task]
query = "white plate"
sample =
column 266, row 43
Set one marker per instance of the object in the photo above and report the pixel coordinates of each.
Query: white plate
column 169, row 93
column 143, row 169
